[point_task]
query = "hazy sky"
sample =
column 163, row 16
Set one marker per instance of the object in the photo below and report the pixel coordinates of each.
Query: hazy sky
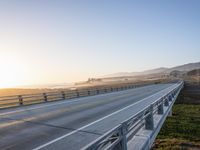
column 54, row 41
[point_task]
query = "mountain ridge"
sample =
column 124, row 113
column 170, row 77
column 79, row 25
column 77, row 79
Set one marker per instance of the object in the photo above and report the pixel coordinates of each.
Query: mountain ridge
column 183, row 68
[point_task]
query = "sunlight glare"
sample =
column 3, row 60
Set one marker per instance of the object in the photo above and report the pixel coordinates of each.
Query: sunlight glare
column 12, row 70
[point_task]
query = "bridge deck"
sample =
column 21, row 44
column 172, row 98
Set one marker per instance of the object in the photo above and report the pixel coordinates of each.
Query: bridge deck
column 71, row 124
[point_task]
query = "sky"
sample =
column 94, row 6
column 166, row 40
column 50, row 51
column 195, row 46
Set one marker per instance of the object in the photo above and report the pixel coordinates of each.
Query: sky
column 48, row 41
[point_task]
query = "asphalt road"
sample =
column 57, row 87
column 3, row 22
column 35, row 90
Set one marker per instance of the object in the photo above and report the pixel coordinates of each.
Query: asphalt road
column 72, row 124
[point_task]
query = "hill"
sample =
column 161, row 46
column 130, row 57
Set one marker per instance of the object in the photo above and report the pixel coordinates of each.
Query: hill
column 178, row 69
column 195, row 72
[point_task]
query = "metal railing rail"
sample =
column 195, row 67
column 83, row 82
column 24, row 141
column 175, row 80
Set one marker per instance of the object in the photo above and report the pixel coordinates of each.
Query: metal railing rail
column 27, row 99
column 118, row 137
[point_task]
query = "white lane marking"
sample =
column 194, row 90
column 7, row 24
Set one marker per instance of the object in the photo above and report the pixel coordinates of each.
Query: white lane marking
column 83, row 127
column 48, row 105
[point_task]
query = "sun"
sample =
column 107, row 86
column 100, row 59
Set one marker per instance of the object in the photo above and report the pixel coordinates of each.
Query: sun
column 11, row 70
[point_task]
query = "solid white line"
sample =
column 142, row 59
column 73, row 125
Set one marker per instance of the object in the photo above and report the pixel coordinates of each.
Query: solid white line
column 68, row 134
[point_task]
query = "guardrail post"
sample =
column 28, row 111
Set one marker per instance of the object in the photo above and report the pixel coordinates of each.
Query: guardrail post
column 173, row 94
column 124, row 139
column 45, row 97
column 166, row 102
column 97, row 91
column 122, row 145
column 63, row 94
column 161, row 109
column 149, row 123
column 20, row 100
column 170, row 97
column 111, row 89
column 77, row 93
column 88, row 92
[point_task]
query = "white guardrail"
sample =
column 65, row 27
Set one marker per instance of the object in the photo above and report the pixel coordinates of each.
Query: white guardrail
column 139, row 131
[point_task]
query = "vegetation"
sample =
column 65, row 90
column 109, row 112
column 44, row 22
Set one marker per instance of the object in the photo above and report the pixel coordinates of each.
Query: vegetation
column 181, row 130
column 183, row 124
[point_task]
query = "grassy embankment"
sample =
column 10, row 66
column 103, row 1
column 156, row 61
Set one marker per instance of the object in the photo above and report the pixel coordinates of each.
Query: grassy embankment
column 182, row 129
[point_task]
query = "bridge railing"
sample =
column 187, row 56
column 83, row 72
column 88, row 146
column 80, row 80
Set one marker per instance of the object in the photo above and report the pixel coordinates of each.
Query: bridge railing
column 27, row 99
column 118, row 137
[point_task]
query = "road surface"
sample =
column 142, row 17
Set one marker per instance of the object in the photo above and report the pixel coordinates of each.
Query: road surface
column 72, row 124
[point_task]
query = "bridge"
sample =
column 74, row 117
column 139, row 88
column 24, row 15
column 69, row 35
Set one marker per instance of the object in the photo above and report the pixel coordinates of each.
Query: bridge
column 128, row 117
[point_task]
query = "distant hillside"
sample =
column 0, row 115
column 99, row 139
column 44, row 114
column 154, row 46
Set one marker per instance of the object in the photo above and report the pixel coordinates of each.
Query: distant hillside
column 178, row 69
column 186, row 67
column 154, row 71
column 176, row 73
column 121, row 74
column 146, row 72
column 195, row 72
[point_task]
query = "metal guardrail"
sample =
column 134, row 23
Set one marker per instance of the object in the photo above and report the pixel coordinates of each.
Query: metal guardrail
column 118, row 137
column 27, row 99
